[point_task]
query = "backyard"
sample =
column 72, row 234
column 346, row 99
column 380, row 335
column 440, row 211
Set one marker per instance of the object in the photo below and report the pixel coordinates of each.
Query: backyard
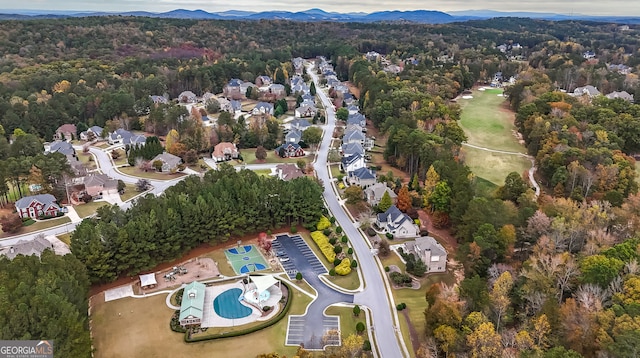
column 133, row 171
column 132, row 327
column 129, row 192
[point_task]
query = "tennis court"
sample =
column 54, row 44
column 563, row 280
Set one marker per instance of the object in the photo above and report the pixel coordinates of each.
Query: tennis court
column 245, row 259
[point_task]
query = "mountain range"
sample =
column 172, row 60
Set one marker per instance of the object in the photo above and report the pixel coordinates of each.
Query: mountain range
column 416, row 16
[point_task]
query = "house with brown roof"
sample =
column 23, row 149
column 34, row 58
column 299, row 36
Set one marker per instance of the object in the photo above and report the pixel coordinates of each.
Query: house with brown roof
column 169, row 161
column 66, row 132
column 225, row 151
column 287, row 172
column 100, row 184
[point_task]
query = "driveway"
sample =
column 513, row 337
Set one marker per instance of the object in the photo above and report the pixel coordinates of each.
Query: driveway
column 308, row 329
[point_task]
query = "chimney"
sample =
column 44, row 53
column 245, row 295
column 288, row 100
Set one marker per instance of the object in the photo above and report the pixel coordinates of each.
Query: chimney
column 11, row 250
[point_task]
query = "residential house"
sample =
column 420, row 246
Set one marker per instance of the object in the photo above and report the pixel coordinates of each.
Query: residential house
column 353, row 108
column 100, row 184
column 66, row 132
column 262, row 108
column 225, row 105
column 35, row 206
column 588, row 55
column 372, row 56
column 395, row 222
column 349, row 149
column 362, row 177
column 299, row 124
column 357, row 118
column 352, row 163
column 225, row 151
column 622, row 69
column 305, row 111
column 159, row 100
column 27, row 247
column 276, row 90
column 91, row 134
column 394, row 69
column 187, row 97
column 430, row 251
column 236, row 106
column 624, row 95
column 293, row 136
column 192, row 306
column 233, row 89
column 124, row 137
column 263, row 81
column 169, row 161
column 65, row 148
column 586, row 90
column 290, row 150
column 298, row 65
column 208, row 96
column 287, row 172
column 244, row 86
column 308, row 98
column 374, row 193
column 353, row 136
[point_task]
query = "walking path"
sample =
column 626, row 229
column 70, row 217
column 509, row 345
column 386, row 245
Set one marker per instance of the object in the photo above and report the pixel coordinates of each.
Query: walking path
column 532, row 170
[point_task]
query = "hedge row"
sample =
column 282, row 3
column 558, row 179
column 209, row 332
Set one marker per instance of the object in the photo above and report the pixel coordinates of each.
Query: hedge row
column 344, row 268
column 242, row 332
column 324, row 223
column 325, row 246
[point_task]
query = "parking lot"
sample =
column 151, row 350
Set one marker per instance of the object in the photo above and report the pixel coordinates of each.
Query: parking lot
column 295, row 256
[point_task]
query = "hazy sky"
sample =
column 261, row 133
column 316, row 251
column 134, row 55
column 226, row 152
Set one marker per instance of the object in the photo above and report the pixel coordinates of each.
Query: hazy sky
column 591, row 7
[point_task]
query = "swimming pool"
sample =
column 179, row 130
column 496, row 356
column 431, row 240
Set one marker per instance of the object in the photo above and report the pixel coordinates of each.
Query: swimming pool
column 227, row 305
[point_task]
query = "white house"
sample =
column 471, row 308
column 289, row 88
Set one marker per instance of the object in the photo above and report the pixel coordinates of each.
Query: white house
column 362, row 177
column 352, row 163
column 262, row 108
column 395, row 222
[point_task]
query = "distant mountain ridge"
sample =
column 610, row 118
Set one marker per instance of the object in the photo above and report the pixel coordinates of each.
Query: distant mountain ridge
column 416, row 16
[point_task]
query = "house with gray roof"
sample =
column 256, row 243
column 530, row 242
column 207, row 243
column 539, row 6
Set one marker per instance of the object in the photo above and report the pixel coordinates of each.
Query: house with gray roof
column 187, row 97
column 36, row 206
column 293, row 136
column 92, row 133
column 362, row 177
column 27, row 247
column 374, row 193
column 299, row 124
column 262, row 108
column 169, row 161
column 124, row 137
column 306, row 110
column 357, row 118
column 192, row 306
column 588, row 90
column 60, row 146
column 430, row 251
column 623, row 95
column 353, row 136
column 397, row 223
column 236, row 106
column 349, row 149
column 233, row 89
column 159, row 99
column 263, row 81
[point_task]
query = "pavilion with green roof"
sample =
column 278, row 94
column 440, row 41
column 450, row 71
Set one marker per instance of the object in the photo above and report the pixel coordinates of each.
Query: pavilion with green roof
column 191, row 309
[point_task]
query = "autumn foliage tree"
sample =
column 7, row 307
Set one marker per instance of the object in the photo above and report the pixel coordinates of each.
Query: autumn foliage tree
column 261, row 153
column 404, row 199
column 11, row 223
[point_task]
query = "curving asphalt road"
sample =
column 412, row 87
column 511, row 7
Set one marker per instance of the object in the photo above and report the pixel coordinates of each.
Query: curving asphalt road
column 374, row 296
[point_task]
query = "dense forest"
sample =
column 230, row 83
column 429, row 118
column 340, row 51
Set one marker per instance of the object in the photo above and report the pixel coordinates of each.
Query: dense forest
column 553, row 276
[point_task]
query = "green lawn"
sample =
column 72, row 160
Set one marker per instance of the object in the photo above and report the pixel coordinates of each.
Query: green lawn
column 487, row 123
column 494, row 167
column 87, row 160
column 347, row 320
column 122, row 159
column 41, row 225
column 133, row 171
column 66, row 238
column 132, row 327
column 221, row 261
column 335, row 170
column 249, row 157
column 90, row 208
column 263, row 172
column 129, row 192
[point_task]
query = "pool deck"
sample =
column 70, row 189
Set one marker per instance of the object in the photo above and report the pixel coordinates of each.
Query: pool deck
column 211, row 319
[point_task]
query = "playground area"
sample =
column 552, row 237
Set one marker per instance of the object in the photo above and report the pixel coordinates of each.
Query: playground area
column 200, row 268
column 245, row 259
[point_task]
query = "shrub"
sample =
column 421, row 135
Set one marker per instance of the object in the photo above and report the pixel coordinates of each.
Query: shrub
column 371, row 232
column 266, row 308
column 387, row 269
column 333, row 241
column 344, row 268
column 344, row 239
column 404, row 305
column 400, row 279
column 337, row 262
column 294, row 229
column 337, row 249
column 326, row 232
column 354, row 264
column 389, row 236
column 399, row 307
column 323, row 243
column 324, row 223
column 299, row 276
column 366, row 346
column 350, row 251
column 356, row 310
column 360, row 327
column 339, row 230
column 332, row 220
column 417, row 222
column 332, row 272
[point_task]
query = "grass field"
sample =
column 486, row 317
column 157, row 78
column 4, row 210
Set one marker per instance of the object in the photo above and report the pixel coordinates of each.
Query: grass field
column 249, row 157
column 347, row 320
column 133, row 171
column 494, row 167
column 41, row 225
column 487, row 123
column 88, row 209
column 132, row 327
column 129, row 192
column 66, row 238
